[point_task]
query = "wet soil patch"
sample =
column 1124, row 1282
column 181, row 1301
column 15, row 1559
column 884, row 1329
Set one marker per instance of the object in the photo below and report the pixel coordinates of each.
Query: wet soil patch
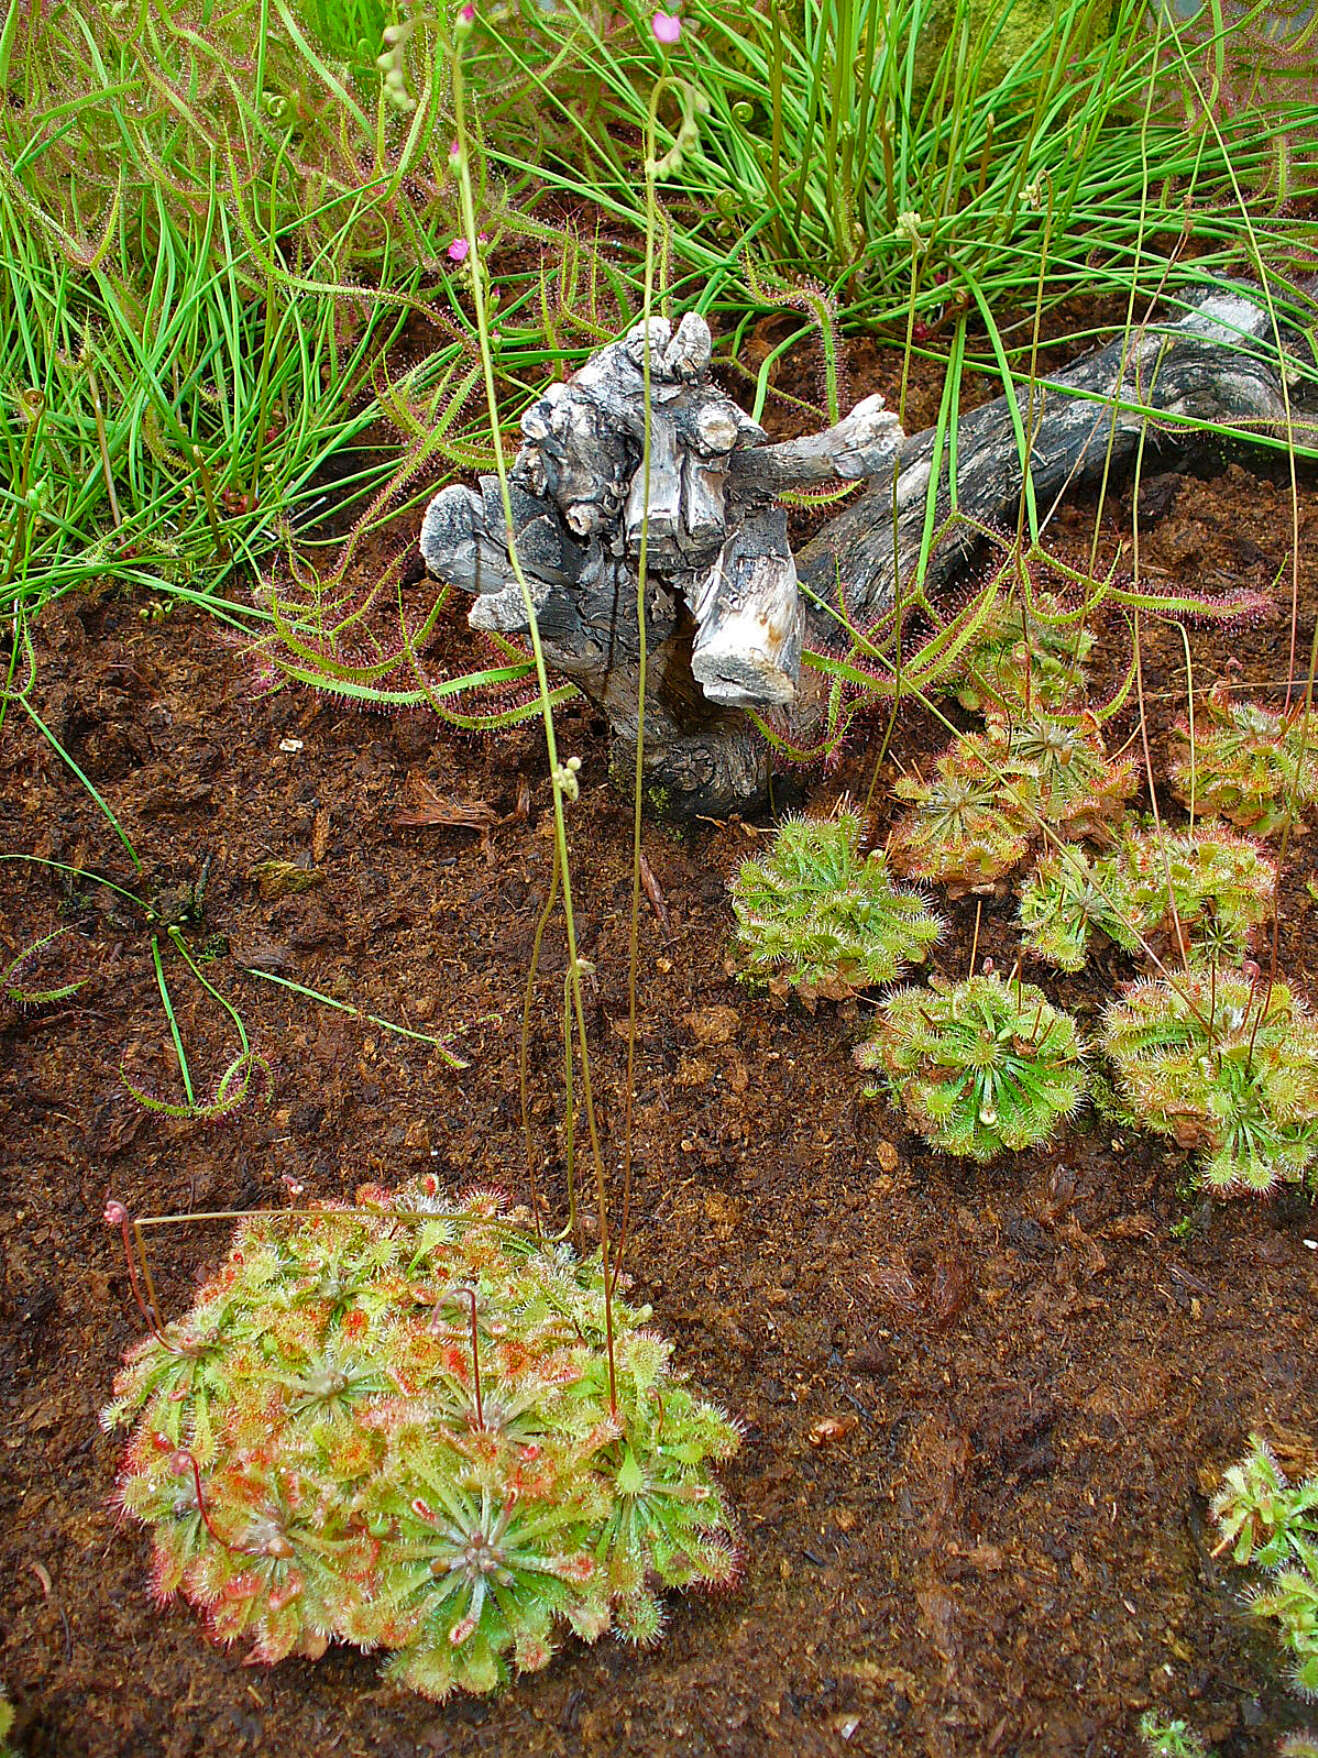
column 982, row 1405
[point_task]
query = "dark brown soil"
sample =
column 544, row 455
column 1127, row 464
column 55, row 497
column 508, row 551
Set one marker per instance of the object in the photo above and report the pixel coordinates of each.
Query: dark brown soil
column 1028, row 1380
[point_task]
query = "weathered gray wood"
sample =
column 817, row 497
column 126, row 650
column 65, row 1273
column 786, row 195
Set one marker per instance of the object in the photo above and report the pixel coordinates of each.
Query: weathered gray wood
column 864, row 443
column 748, row 615
column 723, row 612
column 1216, row 364
column 724, row 616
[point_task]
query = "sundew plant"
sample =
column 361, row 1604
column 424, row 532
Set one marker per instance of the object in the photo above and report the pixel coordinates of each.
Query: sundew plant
column 815, row 914
column 979, row 1067
column 1225, row 1063
column 991, row 795
column 1201, row 894
column 1269, row 1522
column 396, row 1425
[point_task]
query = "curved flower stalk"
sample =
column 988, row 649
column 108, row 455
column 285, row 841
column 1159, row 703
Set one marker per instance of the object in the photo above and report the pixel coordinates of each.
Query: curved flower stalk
column 391, row 1426
column 1223, row 1066
column 994, row 790
column 1202, row 892
column 1247, row 762
column 816, row 915
column 978, row 1066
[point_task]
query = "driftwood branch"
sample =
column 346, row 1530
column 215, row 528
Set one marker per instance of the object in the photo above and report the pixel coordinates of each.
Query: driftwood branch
column 725, row 617
column 1218, row 364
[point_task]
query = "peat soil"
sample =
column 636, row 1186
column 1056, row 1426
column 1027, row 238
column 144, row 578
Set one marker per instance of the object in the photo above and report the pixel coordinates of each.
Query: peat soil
column 983, row 1406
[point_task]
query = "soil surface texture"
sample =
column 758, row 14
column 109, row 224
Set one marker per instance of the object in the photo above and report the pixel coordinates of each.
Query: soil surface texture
column 983, row 1406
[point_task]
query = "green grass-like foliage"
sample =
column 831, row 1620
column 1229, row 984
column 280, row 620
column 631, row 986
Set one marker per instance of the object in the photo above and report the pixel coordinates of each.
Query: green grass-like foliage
column 825, row 125
column 316, row 1460
column 817, row 914
column 1025, row 662
column 978, row 1066
column 1271, row 1524
column 993, row 791
column 1205, row 891
column 217, row 217
column 1249, row 762
column 1222, row 1066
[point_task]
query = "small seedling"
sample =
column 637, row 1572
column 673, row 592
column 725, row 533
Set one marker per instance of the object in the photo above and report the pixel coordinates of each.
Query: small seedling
column 1176, row 1739
column 167, row 911
column 1200, row 893
column 1170, row 1739
column 396, row 1425
column 979, row 1066
column 1247, row 762
column 1225, row 1064
column 816, row 915
column 993, row 793
column 1272, row 1524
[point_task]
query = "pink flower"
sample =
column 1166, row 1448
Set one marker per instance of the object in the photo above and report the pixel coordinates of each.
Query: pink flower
column 459, row 249
column 667, row 28
column 467, row 14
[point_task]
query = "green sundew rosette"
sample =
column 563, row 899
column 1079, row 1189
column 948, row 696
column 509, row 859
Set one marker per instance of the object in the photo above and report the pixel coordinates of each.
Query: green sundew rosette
column 815, row 915
column 1224, row 1065
column 1206, row 890
column 979, row 1067
column 315, row 1462
column 1250, row 763
column 1272, row 1523
column 1063, row 903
